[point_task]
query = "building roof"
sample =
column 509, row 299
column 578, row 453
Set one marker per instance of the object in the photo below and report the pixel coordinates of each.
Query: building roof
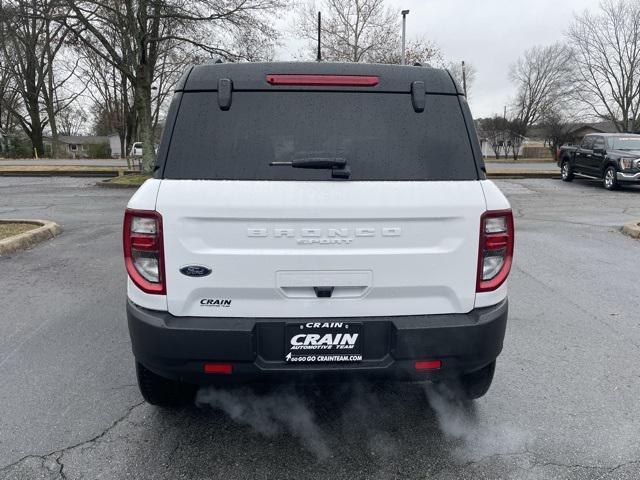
column 538, row 132
column 602, row 127
column 482, row 135
column 82, row 139
column 617, row 134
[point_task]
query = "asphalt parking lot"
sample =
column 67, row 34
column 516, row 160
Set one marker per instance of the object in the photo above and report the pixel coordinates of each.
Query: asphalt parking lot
column 565, row 402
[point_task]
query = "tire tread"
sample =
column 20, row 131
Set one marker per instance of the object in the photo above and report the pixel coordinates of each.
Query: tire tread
column 162, row 392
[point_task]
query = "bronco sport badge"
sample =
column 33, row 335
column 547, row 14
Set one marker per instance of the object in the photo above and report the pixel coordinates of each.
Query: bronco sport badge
column 324, row 236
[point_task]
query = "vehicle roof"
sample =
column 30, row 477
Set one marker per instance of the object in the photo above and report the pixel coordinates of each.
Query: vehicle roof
column 252, row 76
column 612, row 135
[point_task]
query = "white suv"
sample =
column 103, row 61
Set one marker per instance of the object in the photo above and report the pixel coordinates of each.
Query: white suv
column 312, row 221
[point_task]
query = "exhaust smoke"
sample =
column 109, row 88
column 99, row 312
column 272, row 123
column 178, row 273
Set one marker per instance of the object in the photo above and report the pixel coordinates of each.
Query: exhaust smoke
column 382, row 422
column 458, row 422
column 269, row 414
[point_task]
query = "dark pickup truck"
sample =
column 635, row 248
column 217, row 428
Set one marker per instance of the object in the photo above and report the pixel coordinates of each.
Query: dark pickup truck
column 612, row 157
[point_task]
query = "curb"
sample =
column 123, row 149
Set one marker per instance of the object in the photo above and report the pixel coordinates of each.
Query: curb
column 55, row 173
column 520, row 160
column 107, row 184
column 632, row 229
column 62, row 173
column 23, row 241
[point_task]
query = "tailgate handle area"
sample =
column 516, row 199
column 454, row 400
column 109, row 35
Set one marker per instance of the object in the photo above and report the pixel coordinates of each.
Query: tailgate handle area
column 323, row 292
column 324, row 284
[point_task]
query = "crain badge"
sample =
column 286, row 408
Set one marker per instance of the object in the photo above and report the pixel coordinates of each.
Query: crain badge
column 195, row 270
column 324, row 342
column 215, row 302
column 313, row 341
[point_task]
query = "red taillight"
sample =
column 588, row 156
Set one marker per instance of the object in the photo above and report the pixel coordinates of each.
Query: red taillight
column 324, row 80
column 496, row 249
column 223, row 368
column 428, row 365
column 143, row 250
column 496, row 242
column 143, row 242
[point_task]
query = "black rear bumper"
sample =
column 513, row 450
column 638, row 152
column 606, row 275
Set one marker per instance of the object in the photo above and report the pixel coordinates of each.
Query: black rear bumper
column 178, row 347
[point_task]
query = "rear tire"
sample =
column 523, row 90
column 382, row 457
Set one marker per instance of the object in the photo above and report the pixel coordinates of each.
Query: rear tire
column 476, row 384
column 471, row 386
column 163, row 392
column 566, row 171
column 610, row 179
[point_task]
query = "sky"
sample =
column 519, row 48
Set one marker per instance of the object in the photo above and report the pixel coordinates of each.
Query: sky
column 489, row 34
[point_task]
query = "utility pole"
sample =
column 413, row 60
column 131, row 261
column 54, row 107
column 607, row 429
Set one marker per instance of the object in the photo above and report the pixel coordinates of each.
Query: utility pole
column 464, row 79
column 404, row 34
column 319, row 57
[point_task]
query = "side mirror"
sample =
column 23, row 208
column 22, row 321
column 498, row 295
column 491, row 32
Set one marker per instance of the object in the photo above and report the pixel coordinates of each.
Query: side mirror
column 598, row 151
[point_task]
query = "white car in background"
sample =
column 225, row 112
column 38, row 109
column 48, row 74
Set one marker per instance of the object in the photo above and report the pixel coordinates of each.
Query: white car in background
column 136, row 150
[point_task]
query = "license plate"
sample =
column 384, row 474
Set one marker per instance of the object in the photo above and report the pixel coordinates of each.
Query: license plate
column 310, row 342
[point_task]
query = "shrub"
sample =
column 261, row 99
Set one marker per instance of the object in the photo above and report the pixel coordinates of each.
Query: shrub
column 19, row 147
column 99, row 150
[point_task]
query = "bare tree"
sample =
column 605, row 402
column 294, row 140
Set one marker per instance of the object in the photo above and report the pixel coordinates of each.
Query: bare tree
column 418, row 51
column 31, row 46
column 495, row 130
column 171, row 63
column 9, row 99
column 555, row 128
column 607, row 50
column 72, row 121
column 253, row 48
column 142, row 28
column 352, row 30
column 110, row 96
column 59, row 93
column 515, row 136
column 455, row 68
column 542, row 77
column 21, row 39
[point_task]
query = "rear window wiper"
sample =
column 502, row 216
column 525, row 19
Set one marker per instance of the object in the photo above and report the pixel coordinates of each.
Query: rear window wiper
column 314, row 162
column 338, row 166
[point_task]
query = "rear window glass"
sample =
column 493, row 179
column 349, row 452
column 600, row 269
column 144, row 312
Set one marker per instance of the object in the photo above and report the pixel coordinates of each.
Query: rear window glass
column 379, row 135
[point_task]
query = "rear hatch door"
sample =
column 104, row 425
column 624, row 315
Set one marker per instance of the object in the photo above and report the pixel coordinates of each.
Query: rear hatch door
column 381, row 248
column 398, row 237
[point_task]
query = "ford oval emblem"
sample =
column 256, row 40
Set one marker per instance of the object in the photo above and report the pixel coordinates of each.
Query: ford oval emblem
column 195, row 270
